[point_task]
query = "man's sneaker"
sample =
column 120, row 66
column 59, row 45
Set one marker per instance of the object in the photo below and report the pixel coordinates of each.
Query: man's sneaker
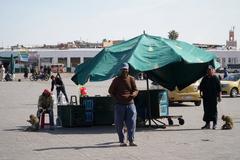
column 206, row 127
column 214, row 127
column 132, row 144
column 123, row 144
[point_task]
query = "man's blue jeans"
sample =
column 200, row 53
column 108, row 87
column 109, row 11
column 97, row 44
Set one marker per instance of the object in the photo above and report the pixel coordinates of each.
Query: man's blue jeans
column 125, row 113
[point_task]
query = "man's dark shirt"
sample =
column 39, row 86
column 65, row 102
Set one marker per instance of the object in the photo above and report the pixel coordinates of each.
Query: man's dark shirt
column 58, row 82
column 124, row 90
column 210, row 87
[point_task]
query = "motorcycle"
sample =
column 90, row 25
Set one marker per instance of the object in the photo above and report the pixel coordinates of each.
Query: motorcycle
column 35, row 77
column 8, row 77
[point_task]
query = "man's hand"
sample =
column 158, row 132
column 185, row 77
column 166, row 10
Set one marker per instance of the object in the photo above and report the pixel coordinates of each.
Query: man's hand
column 201, row 95
column 130, row 97
column 219, row 99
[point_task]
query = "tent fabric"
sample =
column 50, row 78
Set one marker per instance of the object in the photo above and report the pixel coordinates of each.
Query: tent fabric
column 6, row 55
column 23, row 57
column 169, row 62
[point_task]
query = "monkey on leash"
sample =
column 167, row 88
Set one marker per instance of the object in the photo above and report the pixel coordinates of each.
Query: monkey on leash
column 228, row 122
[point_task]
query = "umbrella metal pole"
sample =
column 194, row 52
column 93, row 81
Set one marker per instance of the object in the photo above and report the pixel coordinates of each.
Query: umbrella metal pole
column 149, row 103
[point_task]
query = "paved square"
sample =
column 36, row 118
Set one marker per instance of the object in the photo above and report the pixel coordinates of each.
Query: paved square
column 19, row 99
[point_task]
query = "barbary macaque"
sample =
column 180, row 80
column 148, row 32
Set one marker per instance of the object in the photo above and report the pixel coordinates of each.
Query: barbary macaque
column 34, row 121
column 228, row 122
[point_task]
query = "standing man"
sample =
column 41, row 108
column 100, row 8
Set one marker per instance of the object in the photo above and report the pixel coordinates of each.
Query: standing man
column 123, row 89
column 57, row 81
column 210, row 91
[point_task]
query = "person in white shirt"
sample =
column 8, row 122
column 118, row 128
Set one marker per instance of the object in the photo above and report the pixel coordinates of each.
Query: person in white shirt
column 2, row 73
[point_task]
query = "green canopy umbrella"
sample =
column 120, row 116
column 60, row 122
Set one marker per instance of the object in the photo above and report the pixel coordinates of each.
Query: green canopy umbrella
column 171, row 63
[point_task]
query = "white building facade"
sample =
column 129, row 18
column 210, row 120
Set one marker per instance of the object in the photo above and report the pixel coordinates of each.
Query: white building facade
column 226, row 57
column 72, row 58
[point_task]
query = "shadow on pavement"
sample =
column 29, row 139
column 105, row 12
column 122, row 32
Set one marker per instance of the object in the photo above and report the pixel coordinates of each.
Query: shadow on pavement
column 181, row 105
column 177, row 130
column 76, row 130
column 99, row 130
column 82, row 130
column 15, row 129
column 167, row 130
column 18, row 128
column 224, row 96
column 103, row 145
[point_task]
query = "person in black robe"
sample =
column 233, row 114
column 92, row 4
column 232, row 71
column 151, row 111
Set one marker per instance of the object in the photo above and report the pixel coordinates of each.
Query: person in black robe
column 26, row 71
column 210, row 91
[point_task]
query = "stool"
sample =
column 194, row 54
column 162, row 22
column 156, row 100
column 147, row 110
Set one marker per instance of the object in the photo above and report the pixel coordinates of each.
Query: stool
column 73, row 100
column 42, row 122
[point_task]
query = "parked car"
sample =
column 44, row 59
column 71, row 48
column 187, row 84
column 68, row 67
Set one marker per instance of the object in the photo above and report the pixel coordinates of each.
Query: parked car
column 231, row 85
column 188, row 94
column 220, row 70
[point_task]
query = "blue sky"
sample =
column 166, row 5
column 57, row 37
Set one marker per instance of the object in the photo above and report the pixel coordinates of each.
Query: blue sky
column 32, row 22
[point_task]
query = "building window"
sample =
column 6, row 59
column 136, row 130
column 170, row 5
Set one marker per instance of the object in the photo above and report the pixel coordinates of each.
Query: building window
column 235, row 60
column 46, row 61
column 229, row 60
column 63, row 61
column 223, row 62
column 75, row 61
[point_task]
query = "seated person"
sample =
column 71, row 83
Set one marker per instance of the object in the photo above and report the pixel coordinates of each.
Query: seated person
column 45, row 105
column 34, row 121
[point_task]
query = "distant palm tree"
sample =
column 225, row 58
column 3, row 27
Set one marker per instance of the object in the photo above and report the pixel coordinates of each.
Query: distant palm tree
column 173, row 35
column 104, row 40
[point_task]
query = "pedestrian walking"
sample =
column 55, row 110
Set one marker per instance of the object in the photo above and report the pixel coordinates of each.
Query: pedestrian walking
column 210, row 91
column 26, row 71
column 57, row 81
column 225, row 74
column 49, row 70
column 2, row 73
column 123, row 89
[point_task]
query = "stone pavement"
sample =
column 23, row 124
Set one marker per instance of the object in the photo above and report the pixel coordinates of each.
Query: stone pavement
column 18, row 100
